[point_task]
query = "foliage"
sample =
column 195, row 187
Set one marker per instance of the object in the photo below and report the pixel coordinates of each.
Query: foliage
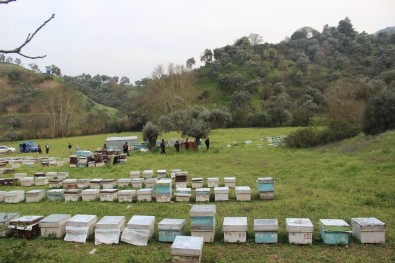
column 379, row 113
column 151, row 132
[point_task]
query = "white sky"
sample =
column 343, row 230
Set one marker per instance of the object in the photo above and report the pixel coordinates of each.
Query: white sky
column 131, row 37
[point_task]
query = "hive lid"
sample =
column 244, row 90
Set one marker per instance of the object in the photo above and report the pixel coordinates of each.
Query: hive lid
column 161, row 171
column 187, row 246
column 369, row 223
column 108, row 180
column 265, row 180
column 334, row 225
column 26, row 179
column 243, row 189
column 202, row 190
column 166, row 181
column 111, row 222
column 82, row 181
column 90, row 191
column 55, row 191
column 127, row 192
column 181, row 174
column 183, row 190
column 203, row 210
column 124, row 180
column 137, row 180
column 25, row 220
column 221, row 190
column 35, row 192
column 171, row 224
column 230, row 179
column 296, row 225
column 73, row 191
column 15, row 193
column 235, row 224
column 145, row 191
column 148, row 171
column 108, row 191
column 55, row 220
column 96, row 180
column 198, row 179
column 141, row 222
column 213, row 179
column 265, row 225
column 82, row 220
column 69, row 181
column 5, row 217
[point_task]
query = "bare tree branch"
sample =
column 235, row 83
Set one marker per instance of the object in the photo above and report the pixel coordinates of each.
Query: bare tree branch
column 6, row 1
column 18, row 50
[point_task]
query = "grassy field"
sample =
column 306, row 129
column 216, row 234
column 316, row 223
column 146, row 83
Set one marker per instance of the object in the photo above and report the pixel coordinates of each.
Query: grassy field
column 354, row 178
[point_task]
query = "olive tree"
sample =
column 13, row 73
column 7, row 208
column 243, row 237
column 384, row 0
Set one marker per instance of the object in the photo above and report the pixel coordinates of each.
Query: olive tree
column 150, row 133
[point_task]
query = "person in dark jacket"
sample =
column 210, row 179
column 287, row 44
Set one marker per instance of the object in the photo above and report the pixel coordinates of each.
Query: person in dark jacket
column 162, row 147
column 126, row 148
column 177, row 146
column 207, row 142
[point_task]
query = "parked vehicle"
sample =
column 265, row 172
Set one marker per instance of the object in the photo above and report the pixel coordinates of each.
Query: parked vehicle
column 27, row 147
column 6, row 149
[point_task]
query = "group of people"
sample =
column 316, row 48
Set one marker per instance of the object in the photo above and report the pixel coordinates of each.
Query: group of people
column 177, row 145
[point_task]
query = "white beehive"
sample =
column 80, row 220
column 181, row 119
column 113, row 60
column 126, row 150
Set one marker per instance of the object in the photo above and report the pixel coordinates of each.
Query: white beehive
column 108, row 195
column 235, row 229
column 139, row 230
column 55, row 183
column 108, row 183
column 39, row 181
column 70, row 183
column 34, row 196
column 90, row 194
column 108, row 230
column 164, row 190
column 134, row 174
column 80, row 227
column 72, row 195
column 15, row 196
column 203, row 221
column 230, row 181
column 137, row 183
column 183, row 194
column 243, row 193
column 368, row 230
column 82, row 183
column 187, row 249
column 51, row 175
column 266, row 230
column 181, row 179
column 20, row 175
column 95, row 183
column 55, row 194
column 148, row 173
column 54, row 225
column 2, row 193
column 126, row 196
column 150, row 182
column 161, row 173
column 213, row 181
column 27, row 181
column 221, row 193
column 300, row 230
column 202, row 194
column 25, row 226
column 144, row 194
column 197, row 182
column 63, row 175
column 124, row 182
column 169, row 228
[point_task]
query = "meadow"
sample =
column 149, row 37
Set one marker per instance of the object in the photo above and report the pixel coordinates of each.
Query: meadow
column 353, row 178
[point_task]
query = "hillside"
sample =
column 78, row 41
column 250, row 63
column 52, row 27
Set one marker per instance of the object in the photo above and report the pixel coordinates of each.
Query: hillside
column 29, row 100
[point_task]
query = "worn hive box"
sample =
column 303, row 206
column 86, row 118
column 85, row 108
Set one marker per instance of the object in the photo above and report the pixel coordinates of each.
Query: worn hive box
column 187, row 249
column 51, row 175
column 34, row 196
column 161, row 173
column 63, row 175
column 368, row 230
column 15, row 196
column 164, row 190
column 26, row 181
column 54, row 225
column 82, row 161
column 5, row 219
column 213, row 181
column 72, row 195
column 70, row 184
column 123, row 182
column 183, row 194
column 202, row 194
column 90, row 194
column 108, row 230
column 20, row 175
column 80, row 227
column 266, row 230
column 221, row 193
column 39, row 174
column 139, row 230
column 169, row 228
column 95, row 183
column 55, row 194
column 300, row 230
column 108, row 183
column 55, row 183
column 39, row 181
column 126, row 196
column 144, row 194
column 82, row 183
column 2, row 193
column 197, row 182
column 134, row 174
column 148, row 173
column 235, row 229
column 266, row 188
column 25, row 226
column 9, row 181
column 108, row 195
column 243, row 193
column 230, row 181
column 203, row 221
column 181, row 179
column 137, row 183
column 150, row 182
column 334, row 231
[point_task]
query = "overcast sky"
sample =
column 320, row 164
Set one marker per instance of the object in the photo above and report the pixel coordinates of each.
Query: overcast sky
column 131, row 37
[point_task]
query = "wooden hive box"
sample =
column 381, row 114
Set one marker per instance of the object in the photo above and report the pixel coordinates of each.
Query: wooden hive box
column 26, row 181
column 203, row 221
column 161, row 173
column 126, row 196
column 221, row 193
column 197, row 182
column 181, row 179
column 80, row 227
column 134, row 174
column 108, row 230
column 72, row 195
column 300, row 230
column 63, row 175
column 108, row 183
column 70, row 184
column 235, row 229
column 139, row 230
column 82, row 183
column 213, row 181
column 266, row 231
column 5, row 219
column 51, row 175
column 25, row 226
column 230, row 181
column 54, row 225
column 34, row 196
column 40, row 181
column 202, row 194
column 137, row 183
column 334, row 231
column 124, row 182
column 108, row 195
column 15, row 196
column 150, row 182
column 90, row 194
column 95, row 183
column 169, row 228
column 243, row 193
column 164, row 190
column 148, row 173
column 183, row 194
column 187, row 249
column 368, row 230
column 144, row 195
column 56, row 194
column 55, row 183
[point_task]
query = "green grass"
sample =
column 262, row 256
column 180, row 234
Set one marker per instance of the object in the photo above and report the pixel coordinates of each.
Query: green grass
column 354, row 178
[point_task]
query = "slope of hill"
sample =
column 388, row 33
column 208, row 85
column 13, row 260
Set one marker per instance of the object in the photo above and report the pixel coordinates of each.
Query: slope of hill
column 29, row 100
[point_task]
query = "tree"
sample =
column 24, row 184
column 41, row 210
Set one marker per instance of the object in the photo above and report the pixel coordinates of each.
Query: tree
column 345, row 27
column 61, row 108
column 255, row 39
column 18, row 61
column 53, row 70
column 190, row 63
column 34, row 67
column 150, row 133
column 220, row 118
column 278, row 109
column 125, row 81
column 240, row 107
column 196, row 123
column 18, row 50
column 165, row 123
column 379, row 113
column 207, row 56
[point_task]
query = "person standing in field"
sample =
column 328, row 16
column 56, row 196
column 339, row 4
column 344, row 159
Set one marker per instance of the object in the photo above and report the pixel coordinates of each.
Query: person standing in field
column 46, row 148
column 162, row 147
column 177, row 146
column 39, row 149
column 207, row 142
column 186, row 144
column 126, row 148
column 70, row 147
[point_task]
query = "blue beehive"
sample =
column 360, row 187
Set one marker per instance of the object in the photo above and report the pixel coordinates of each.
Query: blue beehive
column 170, row 228
column 266, row 230
column 266, row 184
column 203, row 221
column 334, row 231
column 164, row 190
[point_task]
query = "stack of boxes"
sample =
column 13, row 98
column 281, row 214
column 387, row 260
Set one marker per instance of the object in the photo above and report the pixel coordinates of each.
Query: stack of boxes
column 368, row 230
column 108, row 230
column 25, row 226
column 139, row 230
column 266, row 188
column 266, row 230
column 203, row 221
column 181, row 179
column 34, row 196
column 187, row 249
column 164, row 190
column 170, row 228
column 183, row 194
column 235, row 229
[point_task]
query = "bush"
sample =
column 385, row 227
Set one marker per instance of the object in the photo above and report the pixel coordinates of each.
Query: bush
column 303, row 138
